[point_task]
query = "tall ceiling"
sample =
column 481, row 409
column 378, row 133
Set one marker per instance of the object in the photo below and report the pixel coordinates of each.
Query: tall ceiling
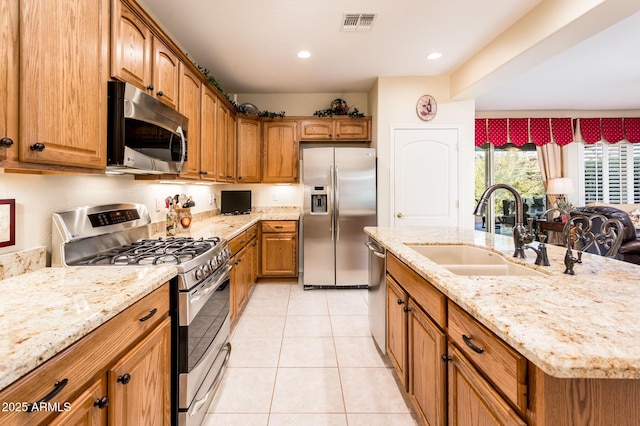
column 250, row 47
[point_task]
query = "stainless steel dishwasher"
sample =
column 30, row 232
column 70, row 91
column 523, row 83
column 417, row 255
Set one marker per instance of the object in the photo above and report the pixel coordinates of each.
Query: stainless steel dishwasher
column 377, row 293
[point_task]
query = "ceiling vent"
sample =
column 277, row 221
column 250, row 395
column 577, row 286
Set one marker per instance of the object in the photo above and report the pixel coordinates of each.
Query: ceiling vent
column 358, row 21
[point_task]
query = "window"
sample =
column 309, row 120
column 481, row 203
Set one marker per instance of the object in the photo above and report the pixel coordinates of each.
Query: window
column 611, row 173
column 514, row 166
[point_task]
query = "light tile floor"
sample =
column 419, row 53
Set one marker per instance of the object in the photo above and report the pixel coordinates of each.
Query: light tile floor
column 307, row 358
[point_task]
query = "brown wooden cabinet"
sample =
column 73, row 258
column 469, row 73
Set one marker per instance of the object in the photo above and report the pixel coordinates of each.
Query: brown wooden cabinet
column 191, row 107
column 140, row 383
column 80, row 374
column 166, row 74
column 472, row 400
column 243, row 273
column 63, row 89
column 280, row 152
column 397, row 301
column 9, row 80
column 335, row 129
column 225, row 144
column 279, row 248
column 427, row 371
column 208, row 133
column 249, row 150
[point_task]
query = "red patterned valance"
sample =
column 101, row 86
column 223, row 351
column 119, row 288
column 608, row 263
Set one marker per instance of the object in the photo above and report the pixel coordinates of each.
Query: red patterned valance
column 541, row 131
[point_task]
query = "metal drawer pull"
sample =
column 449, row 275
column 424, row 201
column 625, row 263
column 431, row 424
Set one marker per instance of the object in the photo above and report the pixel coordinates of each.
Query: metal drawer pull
column 467, row 340
column 57, row 387
column 149, row 315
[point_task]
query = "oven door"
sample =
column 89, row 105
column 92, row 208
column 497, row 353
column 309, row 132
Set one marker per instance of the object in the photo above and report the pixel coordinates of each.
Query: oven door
column 203, row 333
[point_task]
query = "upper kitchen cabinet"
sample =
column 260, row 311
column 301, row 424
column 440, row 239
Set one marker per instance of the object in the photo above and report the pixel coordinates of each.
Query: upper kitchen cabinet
column 9, row 80
column 140, row 58
column 225, row 144
column 280, row 152
column 249, row 150
column 64, row 71
column 208, row 134
column 190, row 106
column 335, row 129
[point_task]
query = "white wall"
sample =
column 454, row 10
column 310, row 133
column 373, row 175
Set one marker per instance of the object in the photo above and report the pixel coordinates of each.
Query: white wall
column 304, row 104
column 393, row 100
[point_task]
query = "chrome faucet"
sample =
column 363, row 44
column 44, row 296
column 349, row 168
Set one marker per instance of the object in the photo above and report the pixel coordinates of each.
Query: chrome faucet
column 521, row 236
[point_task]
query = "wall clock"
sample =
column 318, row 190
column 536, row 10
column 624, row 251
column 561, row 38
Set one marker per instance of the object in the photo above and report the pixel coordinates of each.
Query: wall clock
column 426, row 107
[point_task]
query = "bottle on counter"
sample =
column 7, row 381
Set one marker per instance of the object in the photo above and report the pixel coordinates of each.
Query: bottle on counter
column 172, row 220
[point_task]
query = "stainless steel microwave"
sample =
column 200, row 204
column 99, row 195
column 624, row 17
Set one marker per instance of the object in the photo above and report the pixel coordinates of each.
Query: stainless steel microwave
column 144, row 136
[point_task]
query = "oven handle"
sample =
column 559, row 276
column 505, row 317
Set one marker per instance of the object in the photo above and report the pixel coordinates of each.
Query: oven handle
column 208, row 289
column 199, row 403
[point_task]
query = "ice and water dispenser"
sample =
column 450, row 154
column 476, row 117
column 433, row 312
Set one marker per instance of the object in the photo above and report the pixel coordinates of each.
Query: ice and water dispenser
column 319, row 200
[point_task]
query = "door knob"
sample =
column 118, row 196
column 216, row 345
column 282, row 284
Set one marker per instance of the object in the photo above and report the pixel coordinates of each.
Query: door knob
column 399, row 215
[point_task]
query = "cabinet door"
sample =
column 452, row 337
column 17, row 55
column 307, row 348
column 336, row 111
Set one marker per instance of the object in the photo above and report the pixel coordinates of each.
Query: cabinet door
column 131, row 45
column 9, row 82
column 63, row 91
column 166, row 74
column 253, row 262
column 140, row 383
column 427, row 371
column 321, row 129
column 238, row 278
column 397, row 301
column 280, row 148
column 89, row 409
column 208, row 134
column 222, row 147
column 249, row 150
column 472, row 401
column 279, row 254
column 190, row 106
column 231, row 146
column 352, row 129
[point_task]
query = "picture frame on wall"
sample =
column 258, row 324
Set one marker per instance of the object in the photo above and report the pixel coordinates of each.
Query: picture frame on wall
column 7, row 222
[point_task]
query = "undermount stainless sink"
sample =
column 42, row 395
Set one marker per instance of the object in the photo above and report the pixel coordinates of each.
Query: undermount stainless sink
column 472, row 261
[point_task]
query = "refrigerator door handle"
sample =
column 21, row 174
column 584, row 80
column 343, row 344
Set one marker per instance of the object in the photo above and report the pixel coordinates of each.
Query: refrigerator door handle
column 337, row 202
column 332, row 201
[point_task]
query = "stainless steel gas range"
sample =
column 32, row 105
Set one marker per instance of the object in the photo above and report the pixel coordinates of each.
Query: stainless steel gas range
column 117, row 234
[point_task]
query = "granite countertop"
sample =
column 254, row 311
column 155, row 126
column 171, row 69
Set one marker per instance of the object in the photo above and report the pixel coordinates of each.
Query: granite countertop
column 581, row 326
column 44, row 310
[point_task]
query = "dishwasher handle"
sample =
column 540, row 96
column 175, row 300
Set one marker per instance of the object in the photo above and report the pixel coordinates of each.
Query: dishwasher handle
column 374, row 249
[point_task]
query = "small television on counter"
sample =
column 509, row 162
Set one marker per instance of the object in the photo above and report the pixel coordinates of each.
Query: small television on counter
column 235, row 202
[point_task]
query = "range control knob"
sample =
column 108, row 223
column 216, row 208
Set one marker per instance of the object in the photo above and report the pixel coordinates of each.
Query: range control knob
column 206, row 269
column 199, row 274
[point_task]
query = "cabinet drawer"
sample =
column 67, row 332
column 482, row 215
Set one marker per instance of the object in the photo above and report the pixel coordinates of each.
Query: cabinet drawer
column 279, row 226
column 252, row 232
column 501, row 365
column 427, row 296
column 77, row 365
column 236, row 243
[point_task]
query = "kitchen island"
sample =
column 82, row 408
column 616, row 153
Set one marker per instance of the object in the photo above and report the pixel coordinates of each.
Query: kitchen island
column 578, row 335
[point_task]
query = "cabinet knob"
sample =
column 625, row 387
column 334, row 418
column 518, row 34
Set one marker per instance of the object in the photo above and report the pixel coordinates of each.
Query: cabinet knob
column 239, row 177
column 445, row 358
column 400, row 302
column 160, row 93
column 101, row 402
column 6, row 142
column 150, row 87
column 124, row 379
column 406, row 309
column 38, row 146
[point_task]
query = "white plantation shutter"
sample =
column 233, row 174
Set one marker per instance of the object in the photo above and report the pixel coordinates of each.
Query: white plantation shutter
column 612, row 173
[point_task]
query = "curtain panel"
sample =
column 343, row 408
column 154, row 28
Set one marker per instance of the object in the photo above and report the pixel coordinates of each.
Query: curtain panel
column 561, row 130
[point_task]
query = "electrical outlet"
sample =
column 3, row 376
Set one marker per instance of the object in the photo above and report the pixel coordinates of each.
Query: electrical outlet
column 211, row 199
column 159, row 204
column 275, row 196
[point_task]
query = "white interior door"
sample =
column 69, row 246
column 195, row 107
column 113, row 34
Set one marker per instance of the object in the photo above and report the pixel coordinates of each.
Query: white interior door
column 425, row 177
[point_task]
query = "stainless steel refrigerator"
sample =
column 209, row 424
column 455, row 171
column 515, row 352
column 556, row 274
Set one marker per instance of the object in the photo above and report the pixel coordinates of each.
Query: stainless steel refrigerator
column 339, row 201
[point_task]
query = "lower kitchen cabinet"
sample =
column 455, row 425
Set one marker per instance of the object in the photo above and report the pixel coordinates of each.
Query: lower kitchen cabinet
column 244, row 258
column 397, row 301
column 427, row 371
column 279, row 248
column 119, row 374
column 472, row 400
column 140, row 383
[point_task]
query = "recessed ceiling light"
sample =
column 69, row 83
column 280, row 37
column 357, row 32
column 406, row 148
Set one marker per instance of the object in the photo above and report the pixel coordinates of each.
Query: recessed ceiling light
column 434, row 55
column 303, row 54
